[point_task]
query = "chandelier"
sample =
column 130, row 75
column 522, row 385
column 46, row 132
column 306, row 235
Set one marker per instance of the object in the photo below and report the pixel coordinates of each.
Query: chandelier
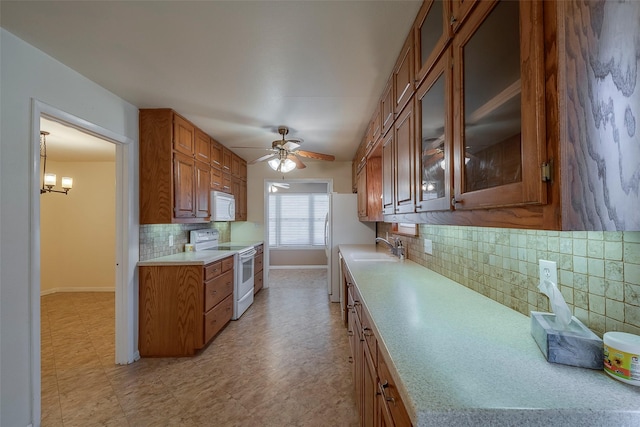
column 49, row 179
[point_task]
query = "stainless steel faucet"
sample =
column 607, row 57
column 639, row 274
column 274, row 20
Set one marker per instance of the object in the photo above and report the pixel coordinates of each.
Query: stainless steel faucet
column 391, row 246
column 395, row 247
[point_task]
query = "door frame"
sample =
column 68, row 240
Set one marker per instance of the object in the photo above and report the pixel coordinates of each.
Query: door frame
column 125, row 331
column 267, row 184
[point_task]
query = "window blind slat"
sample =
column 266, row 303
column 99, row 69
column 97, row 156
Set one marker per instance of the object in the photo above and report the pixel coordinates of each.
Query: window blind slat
column 297, row 219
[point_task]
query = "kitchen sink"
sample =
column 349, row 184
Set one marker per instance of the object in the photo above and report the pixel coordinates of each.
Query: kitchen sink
column 373, row 257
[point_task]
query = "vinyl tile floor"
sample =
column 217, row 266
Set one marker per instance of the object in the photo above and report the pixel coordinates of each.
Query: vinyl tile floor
column 283, row 363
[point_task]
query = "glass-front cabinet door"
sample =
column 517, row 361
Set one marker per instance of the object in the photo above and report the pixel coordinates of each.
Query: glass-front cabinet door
column 499, row 106
column 433, row 115
column 432, row 32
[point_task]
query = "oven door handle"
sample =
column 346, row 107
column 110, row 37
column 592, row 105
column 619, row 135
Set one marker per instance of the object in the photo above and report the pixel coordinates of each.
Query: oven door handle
column 247, row 254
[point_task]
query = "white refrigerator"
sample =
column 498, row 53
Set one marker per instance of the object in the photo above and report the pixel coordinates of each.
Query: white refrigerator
column 342, row 227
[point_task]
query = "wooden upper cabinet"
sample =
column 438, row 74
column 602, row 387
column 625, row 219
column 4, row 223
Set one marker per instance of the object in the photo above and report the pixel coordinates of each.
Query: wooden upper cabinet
column 432, row 33
column 460, row 10
column 216, row 179
column 376, row 124
column 361, row 188
column 405, row 144
column 202, row 189
column 374, row 184
column 499, row 124
column 386, row 107
column 243, row 169
column 226, row 159
column 168, row 177
column 183, row 136
column 403, row 76
column 388, row 174
column 434, row 147
column 183, row 186
column 203, row 147
column 235, row 165
column 216, row 154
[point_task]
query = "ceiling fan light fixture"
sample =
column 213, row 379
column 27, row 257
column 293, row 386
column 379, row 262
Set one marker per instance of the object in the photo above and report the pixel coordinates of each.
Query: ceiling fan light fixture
column 284, row 165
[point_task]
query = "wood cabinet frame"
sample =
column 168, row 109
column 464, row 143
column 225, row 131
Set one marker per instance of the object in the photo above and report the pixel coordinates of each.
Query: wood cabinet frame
column 423, row 67
column 441, row 69
column 531, row 189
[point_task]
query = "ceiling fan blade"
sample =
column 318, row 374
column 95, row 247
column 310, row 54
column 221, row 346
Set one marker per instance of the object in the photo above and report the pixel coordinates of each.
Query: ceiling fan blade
column 254, row 148
column 291, row 145
column 297, row 161
column 313, row 155
column 263, row 158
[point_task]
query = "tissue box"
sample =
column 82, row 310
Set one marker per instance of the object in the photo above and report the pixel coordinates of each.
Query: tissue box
column 575, row 346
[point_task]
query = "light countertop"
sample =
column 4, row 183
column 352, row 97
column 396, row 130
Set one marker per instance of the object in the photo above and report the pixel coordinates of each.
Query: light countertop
column 462, row 359
column 196, row 258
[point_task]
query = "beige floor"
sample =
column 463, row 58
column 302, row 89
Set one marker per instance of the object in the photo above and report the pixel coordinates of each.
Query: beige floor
column 284, row 363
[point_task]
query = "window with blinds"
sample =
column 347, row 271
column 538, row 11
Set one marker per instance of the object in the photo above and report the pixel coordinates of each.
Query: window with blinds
column 297, row 220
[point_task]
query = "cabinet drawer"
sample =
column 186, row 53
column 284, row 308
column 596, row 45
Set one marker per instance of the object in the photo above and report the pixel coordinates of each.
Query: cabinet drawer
column 227, row 264
column 258, row 281
column 259, row 260
column 217, row 289
column 217, row 317
column 212, row 270
column 389, row 390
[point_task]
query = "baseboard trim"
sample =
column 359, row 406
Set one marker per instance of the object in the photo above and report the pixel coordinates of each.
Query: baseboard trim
column 81, row 289
column 297, row 267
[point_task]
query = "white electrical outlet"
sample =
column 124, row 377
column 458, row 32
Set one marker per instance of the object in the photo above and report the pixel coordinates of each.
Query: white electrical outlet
column 428, row 246
column 548, row 271
column 170, row 240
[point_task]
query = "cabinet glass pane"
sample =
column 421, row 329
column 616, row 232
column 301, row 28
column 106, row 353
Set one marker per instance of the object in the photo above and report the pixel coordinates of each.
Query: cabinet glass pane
column 431, row 30
column 492, row 101
column 433, row 163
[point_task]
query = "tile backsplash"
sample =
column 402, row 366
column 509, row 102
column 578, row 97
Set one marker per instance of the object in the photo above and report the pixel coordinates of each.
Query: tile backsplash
column 154, row 238
column 599, row 272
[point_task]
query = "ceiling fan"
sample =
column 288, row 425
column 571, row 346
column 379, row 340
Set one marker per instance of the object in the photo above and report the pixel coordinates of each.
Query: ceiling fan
column 285, row 154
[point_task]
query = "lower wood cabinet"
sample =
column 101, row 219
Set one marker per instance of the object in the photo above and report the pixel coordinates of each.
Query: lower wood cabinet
column 182, row 307
column 258, row 278
column 377, row 397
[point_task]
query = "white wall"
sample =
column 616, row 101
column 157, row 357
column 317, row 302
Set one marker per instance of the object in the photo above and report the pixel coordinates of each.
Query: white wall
column 25, row 74
column 78, row 230
column 253, row 228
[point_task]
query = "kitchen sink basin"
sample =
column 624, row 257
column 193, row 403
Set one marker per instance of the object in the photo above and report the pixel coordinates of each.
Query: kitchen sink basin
column 373, row 257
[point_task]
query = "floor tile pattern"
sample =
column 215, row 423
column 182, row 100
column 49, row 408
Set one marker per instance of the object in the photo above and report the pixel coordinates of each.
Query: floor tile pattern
column 284, row 363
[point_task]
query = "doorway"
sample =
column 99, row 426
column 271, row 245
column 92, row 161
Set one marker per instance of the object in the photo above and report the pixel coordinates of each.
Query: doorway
column 295, row 212
column 125, row 240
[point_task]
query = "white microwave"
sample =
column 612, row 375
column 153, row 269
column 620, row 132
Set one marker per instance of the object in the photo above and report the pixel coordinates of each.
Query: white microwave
column 223, row 206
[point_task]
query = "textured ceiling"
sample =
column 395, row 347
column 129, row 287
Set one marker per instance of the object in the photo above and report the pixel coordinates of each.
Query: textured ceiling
column 237, row 69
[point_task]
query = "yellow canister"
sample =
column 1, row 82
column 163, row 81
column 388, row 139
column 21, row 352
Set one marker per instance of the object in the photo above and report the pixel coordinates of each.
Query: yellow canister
column 622, row 356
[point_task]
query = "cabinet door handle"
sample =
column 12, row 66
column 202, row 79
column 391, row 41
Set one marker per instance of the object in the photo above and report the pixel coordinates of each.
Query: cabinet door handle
column 350, row 359
column 454, row 202
column 384, row 396
column 367, row 332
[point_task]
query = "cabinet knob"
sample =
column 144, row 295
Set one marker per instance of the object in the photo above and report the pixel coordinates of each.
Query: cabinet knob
column 454, row 202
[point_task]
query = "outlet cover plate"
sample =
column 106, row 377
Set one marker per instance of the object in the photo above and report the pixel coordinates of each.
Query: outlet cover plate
column 548, row 271
column 428, row 246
